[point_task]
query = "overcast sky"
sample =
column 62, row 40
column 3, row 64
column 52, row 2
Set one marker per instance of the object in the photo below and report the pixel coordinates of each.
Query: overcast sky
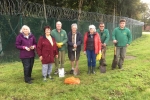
column 146, row 1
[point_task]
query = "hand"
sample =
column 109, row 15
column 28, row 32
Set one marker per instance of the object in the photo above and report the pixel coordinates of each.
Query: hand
column 28, row 49
column 104, row 44
column 56, row 56
column 41, row 58
column 115, row 41
column 127, row 45
column 84, row 52
column 74, row 45
column 32, row 47
column 100, row 52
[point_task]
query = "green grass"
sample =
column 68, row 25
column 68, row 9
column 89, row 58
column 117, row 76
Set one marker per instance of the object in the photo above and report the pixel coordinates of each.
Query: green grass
column 131, row 83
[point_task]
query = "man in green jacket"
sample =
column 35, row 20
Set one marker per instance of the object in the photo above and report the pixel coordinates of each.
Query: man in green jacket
column 104, row 34
column 61, row 39
column 122, row 37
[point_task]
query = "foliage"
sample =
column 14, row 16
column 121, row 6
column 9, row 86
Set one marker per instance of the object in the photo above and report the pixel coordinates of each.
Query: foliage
column 127, row 8
column 131, row 83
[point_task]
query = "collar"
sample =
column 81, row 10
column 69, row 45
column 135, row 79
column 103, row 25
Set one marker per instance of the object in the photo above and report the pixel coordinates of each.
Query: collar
column 92, row 34
column 60, row 30
column 26, row 36
column 122, row 28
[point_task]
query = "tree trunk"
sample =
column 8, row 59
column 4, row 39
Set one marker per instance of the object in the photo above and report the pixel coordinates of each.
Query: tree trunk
column 1, row 50
column 80, row 6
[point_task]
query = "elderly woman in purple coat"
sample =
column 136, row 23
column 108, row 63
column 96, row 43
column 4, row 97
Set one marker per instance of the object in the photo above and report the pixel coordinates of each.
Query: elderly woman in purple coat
column 26, row 43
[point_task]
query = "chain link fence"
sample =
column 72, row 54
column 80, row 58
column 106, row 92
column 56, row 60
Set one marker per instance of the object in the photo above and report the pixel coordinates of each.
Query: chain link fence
column 15, row 13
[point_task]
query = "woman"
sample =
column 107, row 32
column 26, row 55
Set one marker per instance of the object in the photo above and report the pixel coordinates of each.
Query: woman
column 47, row 51
column 26, row 43
column 74, row 46
column 92, row 46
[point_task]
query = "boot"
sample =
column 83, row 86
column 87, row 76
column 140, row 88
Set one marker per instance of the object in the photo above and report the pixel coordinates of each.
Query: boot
column 93, row 70
column 89, row 70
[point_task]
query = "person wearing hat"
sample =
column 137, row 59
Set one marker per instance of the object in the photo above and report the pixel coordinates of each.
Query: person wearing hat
column 92, row 47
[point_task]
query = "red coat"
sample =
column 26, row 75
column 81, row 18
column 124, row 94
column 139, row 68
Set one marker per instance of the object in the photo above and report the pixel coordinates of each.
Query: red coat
column 97, row 42
column 46, row 50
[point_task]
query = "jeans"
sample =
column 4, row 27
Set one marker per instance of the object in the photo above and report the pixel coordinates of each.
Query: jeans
column 91, row 57
column 46, row 69
column 27, row 66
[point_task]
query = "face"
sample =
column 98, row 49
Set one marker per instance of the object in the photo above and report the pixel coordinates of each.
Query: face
column 74, row 29
column 101, row 27
column 25, row 31
column 122, row 24
column 47, row 31
column 92, row 30
column 58, row 26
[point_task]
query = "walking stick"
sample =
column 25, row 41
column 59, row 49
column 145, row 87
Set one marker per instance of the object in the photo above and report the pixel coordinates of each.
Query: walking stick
column 75, row 54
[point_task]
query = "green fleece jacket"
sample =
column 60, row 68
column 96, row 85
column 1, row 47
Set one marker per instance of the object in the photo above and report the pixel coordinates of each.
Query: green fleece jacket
column 60, row 37
column 123, row 36
column 104, row 35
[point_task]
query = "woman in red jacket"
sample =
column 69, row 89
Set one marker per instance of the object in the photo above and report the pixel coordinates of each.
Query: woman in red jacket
column 47, row 51
column 92, row 46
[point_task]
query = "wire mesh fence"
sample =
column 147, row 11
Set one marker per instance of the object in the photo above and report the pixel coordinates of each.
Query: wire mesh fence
column 15, row 13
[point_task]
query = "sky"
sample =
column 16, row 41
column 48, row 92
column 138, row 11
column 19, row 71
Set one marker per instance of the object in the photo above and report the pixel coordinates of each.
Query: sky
column 146, row 1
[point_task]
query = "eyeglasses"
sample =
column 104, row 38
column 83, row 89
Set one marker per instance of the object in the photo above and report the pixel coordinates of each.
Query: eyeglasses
column 101, row 26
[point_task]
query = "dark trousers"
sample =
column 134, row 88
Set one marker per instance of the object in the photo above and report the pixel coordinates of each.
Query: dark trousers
column 91, row 56
column 27, row 65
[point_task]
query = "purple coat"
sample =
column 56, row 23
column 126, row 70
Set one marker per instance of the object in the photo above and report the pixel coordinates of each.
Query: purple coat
column 22, row 42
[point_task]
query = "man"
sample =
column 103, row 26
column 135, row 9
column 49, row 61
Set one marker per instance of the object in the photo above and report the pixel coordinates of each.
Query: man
column 61, row 38
column 122, row 37
column 104, row 34
column 74, row 46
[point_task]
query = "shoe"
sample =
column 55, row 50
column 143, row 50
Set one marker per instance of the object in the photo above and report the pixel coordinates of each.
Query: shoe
column 29, row 82
column 104, row 64
column 71, row 71
column 50, row 77
column 44, row 79
column 120, row 67
column 56, row 72
column 93, row 70
column 89, row 70
column 31, row 78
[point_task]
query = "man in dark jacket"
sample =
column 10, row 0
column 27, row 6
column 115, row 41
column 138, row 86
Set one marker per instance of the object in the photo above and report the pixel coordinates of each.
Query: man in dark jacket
column 74, row 46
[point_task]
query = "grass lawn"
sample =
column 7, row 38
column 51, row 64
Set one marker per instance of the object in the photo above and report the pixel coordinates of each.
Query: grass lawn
column 131, row 83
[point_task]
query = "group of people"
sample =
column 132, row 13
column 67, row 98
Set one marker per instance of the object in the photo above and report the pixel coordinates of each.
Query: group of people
column 51, row 47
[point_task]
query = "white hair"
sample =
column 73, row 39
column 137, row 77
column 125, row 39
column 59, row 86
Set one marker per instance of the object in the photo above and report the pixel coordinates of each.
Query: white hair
column 93, row 27
column 74, row 24
column 58, row 22
column 26, row 27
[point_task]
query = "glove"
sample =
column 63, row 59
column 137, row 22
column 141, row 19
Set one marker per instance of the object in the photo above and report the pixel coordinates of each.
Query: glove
column 59, row 45
column 98, row 57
